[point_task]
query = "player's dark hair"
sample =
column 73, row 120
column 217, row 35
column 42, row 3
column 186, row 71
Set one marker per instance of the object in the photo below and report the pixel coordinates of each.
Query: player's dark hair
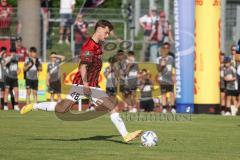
column 144, row 70
column 33, row 49
column 104, row 23
column 3, row 49
column 131, row 53
column 53, row 53
column 222, row 53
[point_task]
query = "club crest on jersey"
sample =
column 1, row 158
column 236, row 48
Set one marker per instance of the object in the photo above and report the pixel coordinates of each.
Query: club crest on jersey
column 87, row 54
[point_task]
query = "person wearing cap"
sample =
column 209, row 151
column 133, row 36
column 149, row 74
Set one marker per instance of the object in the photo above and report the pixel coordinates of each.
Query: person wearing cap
column 21, row 51
column 32, row 67
column 230, row 77
column 53, row 75
column 147, row 22
column 6, row 12
column 11, row 78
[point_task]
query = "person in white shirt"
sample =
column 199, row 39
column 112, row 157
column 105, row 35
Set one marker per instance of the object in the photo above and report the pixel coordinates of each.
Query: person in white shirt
column 66, row 10
column 147, row 22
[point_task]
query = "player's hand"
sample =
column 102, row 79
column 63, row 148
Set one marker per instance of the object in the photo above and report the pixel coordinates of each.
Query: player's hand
column 47, row 83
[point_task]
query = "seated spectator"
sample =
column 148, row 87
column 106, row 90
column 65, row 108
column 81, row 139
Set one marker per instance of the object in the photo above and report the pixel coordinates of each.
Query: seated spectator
column 12, row 71
column 80, row 33
column 32, row 66
column 5, row 17
column 22, row 51
column 53, row 76
column 146, row 89
column 66, row 10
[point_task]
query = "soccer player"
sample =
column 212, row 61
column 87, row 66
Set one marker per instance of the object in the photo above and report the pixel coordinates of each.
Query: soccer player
column 31, row 68
column 12, row 70
column 165, row 68
column 231, row 86
column 222, row 84
column 53, row 75
column 87, row 76
column 131, row 82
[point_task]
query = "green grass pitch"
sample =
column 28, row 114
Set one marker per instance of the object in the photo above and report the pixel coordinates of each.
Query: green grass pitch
column 41, row 136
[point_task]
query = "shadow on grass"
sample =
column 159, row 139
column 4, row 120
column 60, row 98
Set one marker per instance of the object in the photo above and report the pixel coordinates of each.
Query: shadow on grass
column 93, row 138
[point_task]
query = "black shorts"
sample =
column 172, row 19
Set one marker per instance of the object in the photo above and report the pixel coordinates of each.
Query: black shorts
column 231, row 93
column 166, row 88
column 2, row 86
column 32, row 84
column 147, row 105
column 55, row 87
column 11, row 83
column 112, row 91
column 222, row 90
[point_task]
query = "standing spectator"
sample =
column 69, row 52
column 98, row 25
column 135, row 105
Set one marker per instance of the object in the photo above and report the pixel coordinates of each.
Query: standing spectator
column 11, row 80
column 2, row 74
column 131, row 81
column 146, row 88
column 66, row 10
column 53, row 76
column 233, row 54
column 121, row 68
column 80, row 33
column 6, row 12
column 164, row 29
column 110, row 74
column 32, row 66
column 147, row 22
column 45, row 11
column 222, row 84
column 230, row 77
column 22, row 51
column 166, row 79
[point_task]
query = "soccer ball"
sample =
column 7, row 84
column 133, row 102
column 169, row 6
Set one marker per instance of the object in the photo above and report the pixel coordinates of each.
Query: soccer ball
column 149, row 139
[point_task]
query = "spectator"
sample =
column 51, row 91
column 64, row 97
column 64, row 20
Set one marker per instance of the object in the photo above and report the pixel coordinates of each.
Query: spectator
column 53, row 76
column 147, row 22
column 5, row 17
column 45, row 5
column 232, row 55
column 32, row 66
column 2, row 74
column 66, row 10
column 222, row 84
column 230, row 77
column 146, row 88
column 166, row 79
column 81, row 33
column 110, row 74
column 121, row 66
column 164, row 29
column 131, row 81
column 12, row 72
column 22, row 51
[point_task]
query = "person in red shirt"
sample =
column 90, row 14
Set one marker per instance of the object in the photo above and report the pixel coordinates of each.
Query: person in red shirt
column 87, row 76
column 5, row 17
column 22, row 51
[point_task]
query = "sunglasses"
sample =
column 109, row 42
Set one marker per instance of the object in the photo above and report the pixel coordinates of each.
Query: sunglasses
column 233, row 49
